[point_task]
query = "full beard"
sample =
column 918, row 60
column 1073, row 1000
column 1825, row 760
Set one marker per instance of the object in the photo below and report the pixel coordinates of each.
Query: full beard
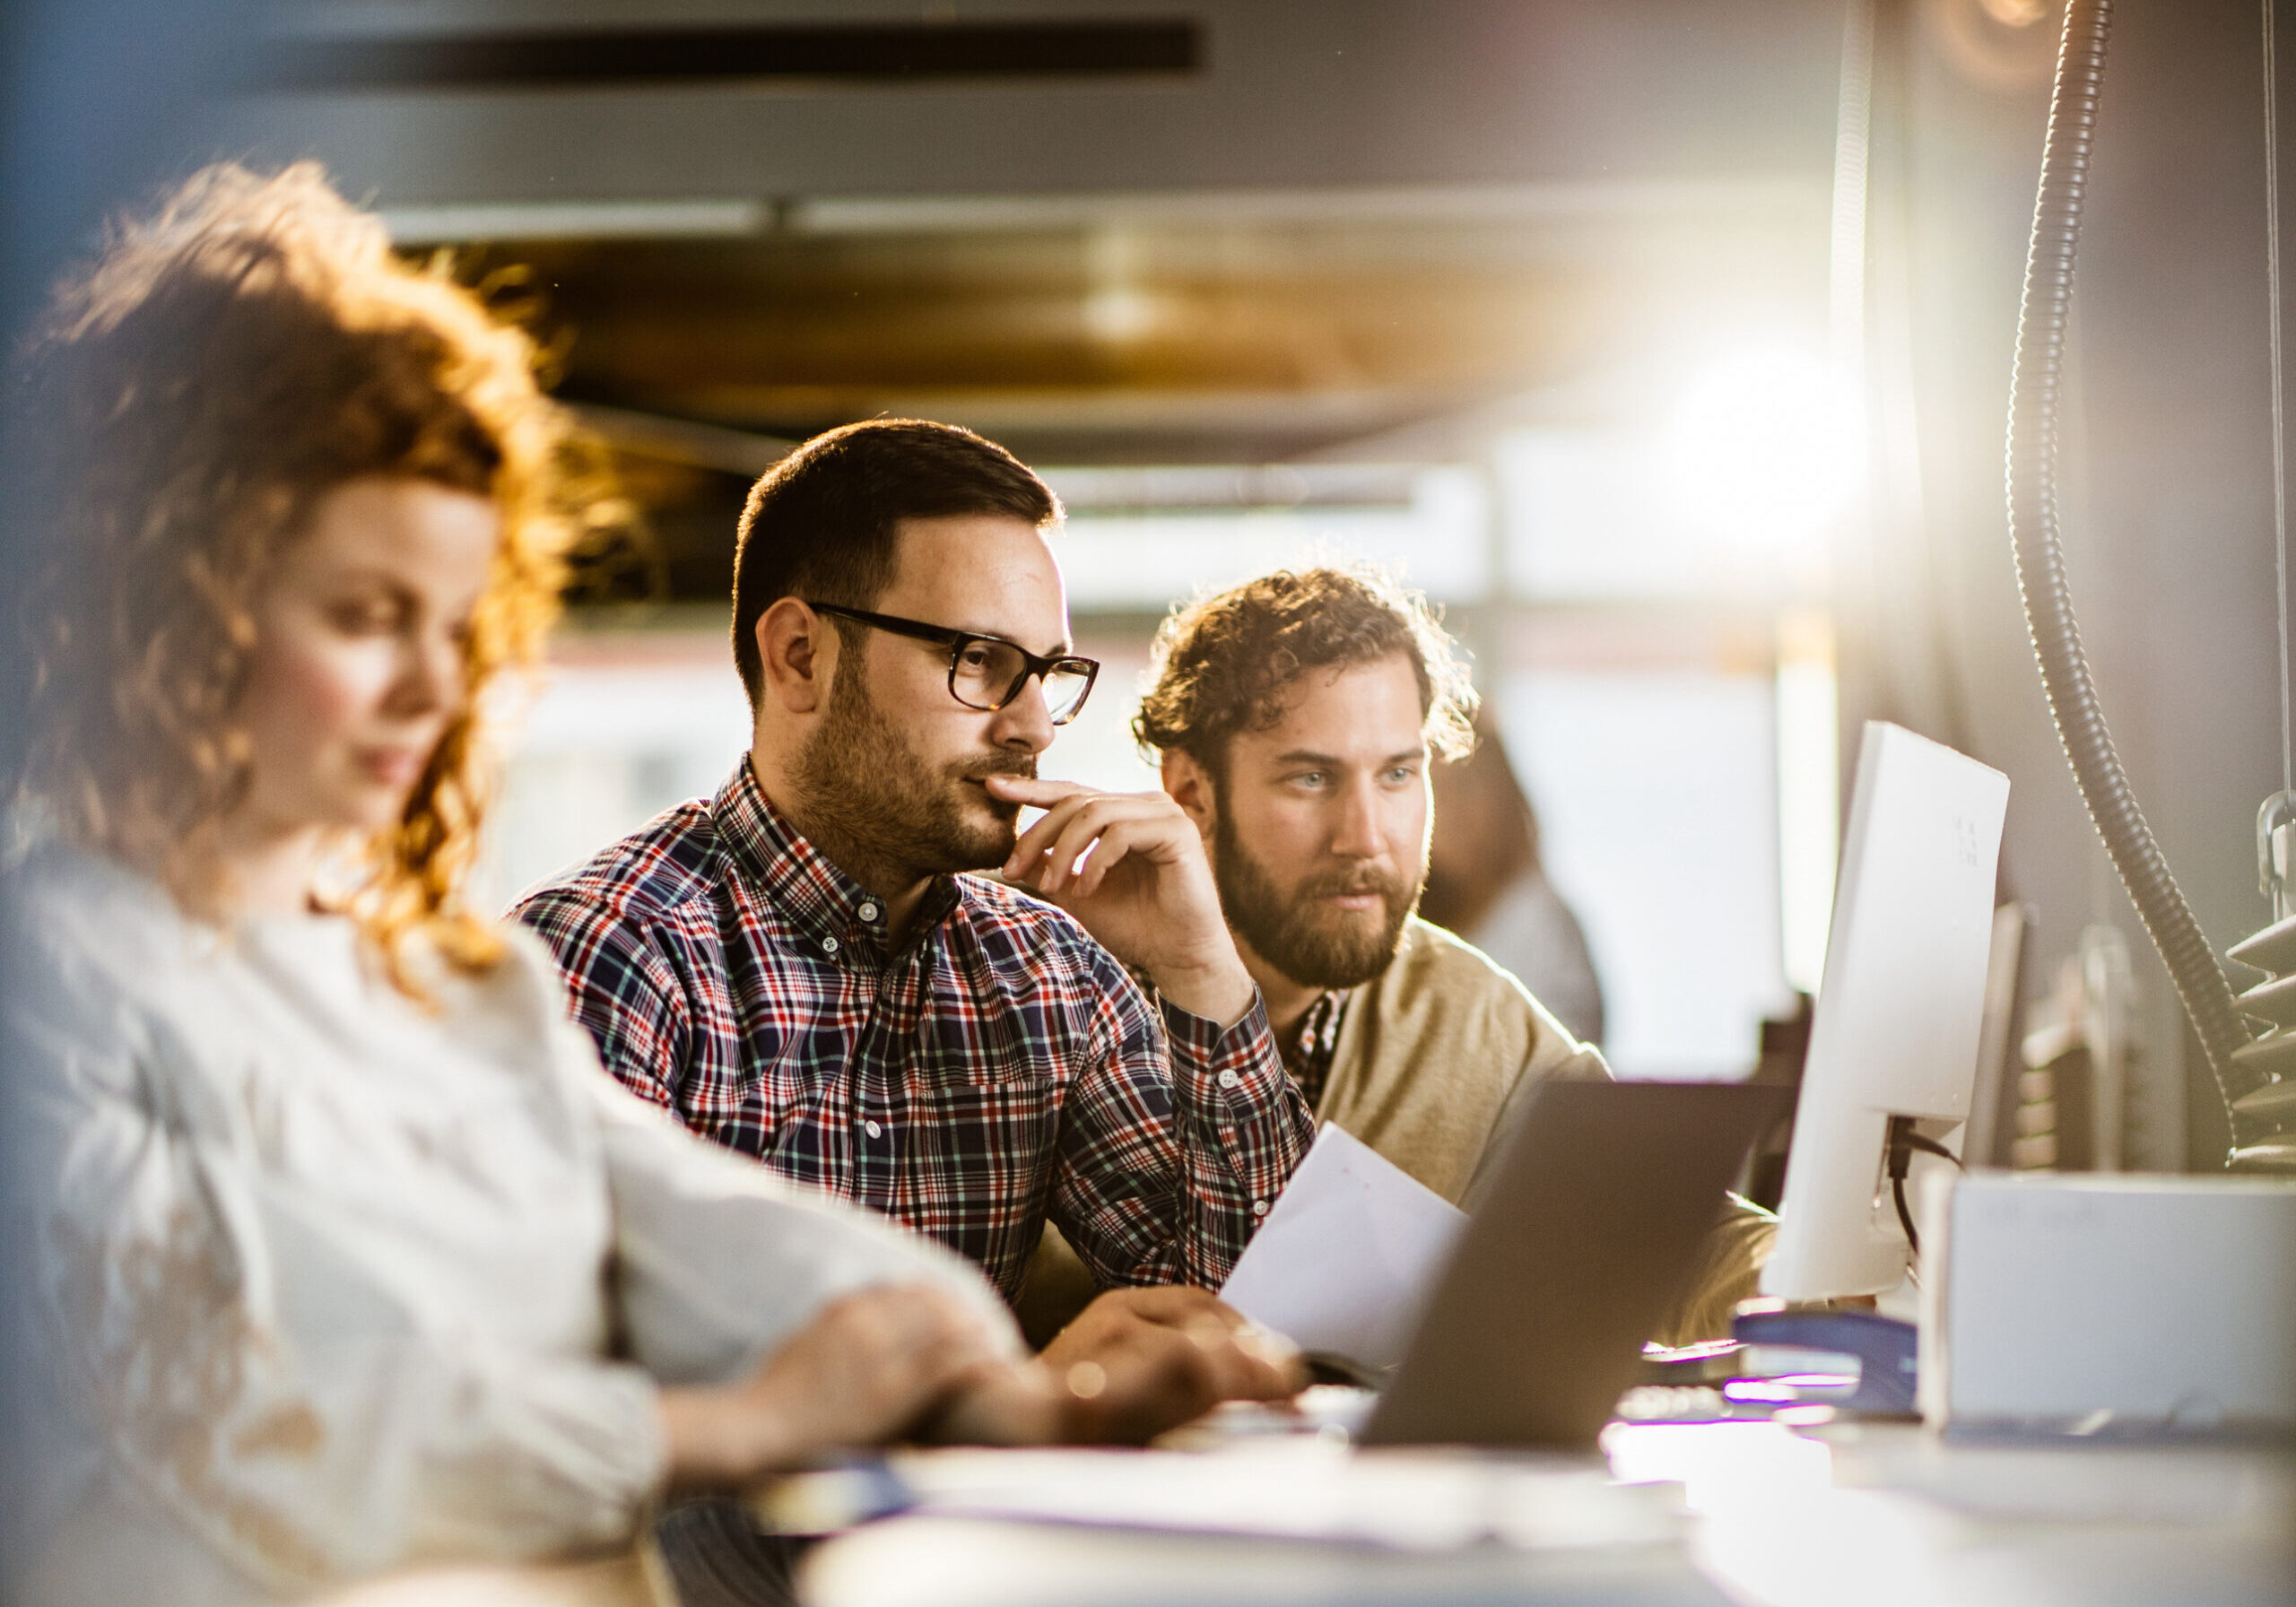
column 1315, row 946
column 885, row 816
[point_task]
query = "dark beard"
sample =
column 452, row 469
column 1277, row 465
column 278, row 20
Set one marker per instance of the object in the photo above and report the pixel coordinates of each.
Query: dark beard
column 1292, row 934
column 880, row 813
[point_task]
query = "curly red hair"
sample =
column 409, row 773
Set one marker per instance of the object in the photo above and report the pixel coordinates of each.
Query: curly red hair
column 189, row 396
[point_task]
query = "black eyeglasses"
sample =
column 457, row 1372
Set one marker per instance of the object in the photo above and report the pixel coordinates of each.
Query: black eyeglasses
column 987, row 672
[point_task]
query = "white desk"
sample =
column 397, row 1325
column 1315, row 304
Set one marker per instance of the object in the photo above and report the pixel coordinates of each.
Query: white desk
column 1879, row 1514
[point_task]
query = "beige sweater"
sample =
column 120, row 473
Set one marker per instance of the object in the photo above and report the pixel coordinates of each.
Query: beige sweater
column 1430, row 1053
column 1433, row 1056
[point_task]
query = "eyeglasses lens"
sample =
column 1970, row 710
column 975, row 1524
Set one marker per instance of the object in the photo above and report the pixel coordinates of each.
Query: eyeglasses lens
column 1065, row 686
column 985, row 674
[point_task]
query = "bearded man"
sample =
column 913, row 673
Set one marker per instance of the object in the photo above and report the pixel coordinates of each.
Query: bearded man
column 1297, row 717
column 800, row 969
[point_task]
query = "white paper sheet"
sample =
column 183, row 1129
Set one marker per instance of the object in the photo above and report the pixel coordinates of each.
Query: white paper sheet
column 1348, row 1254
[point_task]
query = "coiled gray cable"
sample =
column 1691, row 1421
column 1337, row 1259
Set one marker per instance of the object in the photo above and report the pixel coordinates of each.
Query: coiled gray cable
column 2035, row 390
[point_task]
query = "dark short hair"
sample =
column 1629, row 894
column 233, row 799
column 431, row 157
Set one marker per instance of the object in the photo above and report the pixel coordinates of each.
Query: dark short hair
column 822, row 522
column 1223, row 663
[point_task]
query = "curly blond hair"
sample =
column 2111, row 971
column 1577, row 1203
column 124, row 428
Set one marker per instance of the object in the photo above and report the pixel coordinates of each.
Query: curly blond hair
column 189, row 397
column 1225, row 663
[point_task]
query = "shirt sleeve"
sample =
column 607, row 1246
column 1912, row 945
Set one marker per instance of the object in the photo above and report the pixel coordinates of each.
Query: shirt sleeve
column 720, row 1262
column 185, row 1320
column 620, row 986
column 1175, row 1142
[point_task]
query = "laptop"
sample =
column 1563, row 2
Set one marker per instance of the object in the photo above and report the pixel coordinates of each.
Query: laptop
column 1591, row 1214
column 1587, row 1228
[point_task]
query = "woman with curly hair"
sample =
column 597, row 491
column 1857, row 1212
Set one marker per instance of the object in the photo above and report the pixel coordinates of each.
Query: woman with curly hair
column 336, row 1252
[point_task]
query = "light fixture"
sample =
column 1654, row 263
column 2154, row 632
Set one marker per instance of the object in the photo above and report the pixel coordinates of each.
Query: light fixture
column 1764, row 450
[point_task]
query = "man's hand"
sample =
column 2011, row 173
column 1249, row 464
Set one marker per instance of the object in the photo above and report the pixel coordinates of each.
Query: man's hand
column 868, row 1367
column 1142, row 887
column 1137, row 1361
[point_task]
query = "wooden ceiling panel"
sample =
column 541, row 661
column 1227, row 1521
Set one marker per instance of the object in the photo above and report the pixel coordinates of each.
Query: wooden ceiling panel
column 1224, row 340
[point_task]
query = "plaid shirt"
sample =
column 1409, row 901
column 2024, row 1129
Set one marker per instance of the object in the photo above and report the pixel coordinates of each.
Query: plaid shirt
column 998, row 1068
column 1310, row 1060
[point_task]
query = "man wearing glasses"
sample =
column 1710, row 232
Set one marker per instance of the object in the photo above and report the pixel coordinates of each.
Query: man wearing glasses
column 799, row 969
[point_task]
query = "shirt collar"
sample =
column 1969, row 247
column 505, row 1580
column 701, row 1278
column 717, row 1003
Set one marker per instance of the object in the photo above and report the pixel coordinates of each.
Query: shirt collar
column 827, row 907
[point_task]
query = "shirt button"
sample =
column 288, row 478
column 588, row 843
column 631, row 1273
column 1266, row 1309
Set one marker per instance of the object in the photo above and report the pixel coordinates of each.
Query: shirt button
column 868, row 912
column 873, row 1130
column 1259, row 1207
column 829, row 945
column 1229, row 1080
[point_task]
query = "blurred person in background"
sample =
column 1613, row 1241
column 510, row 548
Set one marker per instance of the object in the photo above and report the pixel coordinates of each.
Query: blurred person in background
column 1485, row 882
column 342, row 1254
column 803, row 969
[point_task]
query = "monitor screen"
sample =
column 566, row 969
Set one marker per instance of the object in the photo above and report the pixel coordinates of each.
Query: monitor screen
column 1897, row 1025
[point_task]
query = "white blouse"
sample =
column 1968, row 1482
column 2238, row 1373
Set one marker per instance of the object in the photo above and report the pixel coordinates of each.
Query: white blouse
column 312, row 1280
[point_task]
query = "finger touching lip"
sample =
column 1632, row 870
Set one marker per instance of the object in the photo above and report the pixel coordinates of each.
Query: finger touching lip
column 1029, row 789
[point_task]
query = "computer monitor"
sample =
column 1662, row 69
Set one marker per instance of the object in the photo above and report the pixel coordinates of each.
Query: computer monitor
column 1896, row 1030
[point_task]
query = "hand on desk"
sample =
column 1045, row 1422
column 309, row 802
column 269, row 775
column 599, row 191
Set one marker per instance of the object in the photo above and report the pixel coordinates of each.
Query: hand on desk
column 865, row 1370
column 1163, row 1356
column 1136, row 1362
column 890, row 1362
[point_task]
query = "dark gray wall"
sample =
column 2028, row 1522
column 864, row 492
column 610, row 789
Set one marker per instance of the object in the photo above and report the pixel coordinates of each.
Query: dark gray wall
column 1295, row 92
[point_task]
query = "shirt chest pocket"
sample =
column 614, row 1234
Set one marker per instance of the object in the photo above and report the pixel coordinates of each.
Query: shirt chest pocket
column 973, row 1080
column 982, row 1108
column 953, row 1050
